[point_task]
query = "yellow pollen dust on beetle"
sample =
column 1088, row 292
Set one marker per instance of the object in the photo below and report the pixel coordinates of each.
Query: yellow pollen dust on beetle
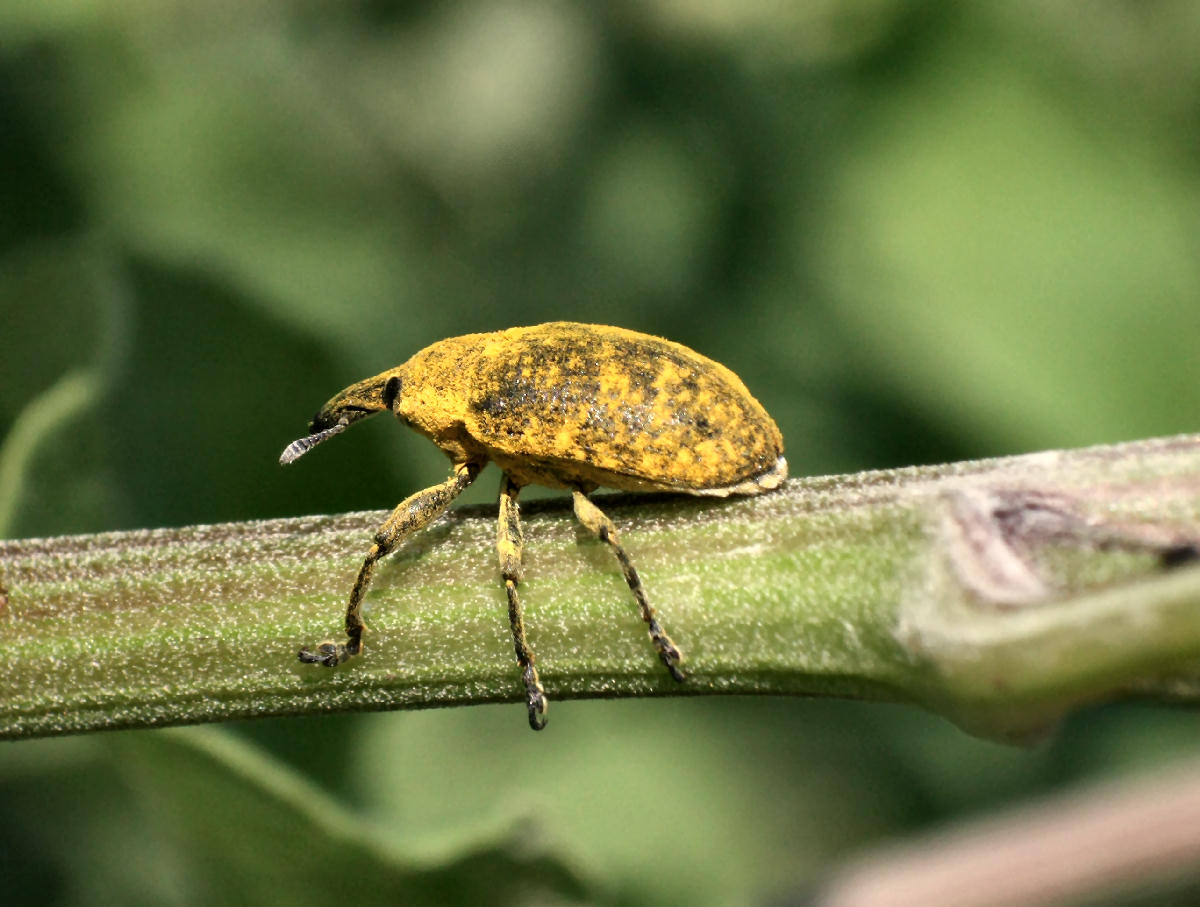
column 564, row 405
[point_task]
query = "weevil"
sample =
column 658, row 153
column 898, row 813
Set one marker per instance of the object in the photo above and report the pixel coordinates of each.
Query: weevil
column 567, row 406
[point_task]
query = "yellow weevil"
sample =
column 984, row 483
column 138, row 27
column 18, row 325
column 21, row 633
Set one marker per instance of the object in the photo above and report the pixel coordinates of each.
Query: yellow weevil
column 564, row 405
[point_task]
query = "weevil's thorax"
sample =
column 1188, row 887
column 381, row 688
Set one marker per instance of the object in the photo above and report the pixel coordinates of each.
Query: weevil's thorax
column 434, row 395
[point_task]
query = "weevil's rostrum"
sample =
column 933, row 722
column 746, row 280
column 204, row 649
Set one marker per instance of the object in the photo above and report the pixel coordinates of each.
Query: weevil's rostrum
column 563, row 405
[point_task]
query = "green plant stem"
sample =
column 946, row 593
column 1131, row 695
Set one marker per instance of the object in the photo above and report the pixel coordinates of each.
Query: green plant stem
column 1000, row 593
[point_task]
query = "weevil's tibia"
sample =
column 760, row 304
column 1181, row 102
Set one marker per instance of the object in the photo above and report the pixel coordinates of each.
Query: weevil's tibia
column 413, row 514
column 594, row 519
column 509, row 542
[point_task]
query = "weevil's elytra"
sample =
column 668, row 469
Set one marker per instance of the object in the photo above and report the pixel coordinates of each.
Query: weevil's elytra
column 564, row 405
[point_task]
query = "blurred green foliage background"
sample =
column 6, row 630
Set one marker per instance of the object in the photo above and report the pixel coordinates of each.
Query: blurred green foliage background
column 920, row 231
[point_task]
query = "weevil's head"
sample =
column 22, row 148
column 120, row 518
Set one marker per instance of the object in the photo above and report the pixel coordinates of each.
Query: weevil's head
column 356, row 402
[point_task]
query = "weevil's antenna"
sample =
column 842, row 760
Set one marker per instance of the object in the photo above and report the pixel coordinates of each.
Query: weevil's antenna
column 301, row 446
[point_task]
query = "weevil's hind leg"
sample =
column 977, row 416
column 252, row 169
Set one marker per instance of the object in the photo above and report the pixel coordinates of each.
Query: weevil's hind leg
column 602, row 527
column 413, row 513
column 509, row 543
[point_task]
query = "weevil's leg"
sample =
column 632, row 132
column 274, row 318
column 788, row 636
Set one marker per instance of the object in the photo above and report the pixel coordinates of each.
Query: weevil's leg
column 414, row 513
column 602, row 527
column 509, row 542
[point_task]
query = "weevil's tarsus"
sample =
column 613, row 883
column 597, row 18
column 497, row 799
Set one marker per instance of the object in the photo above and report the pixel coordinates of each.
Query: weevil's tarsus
column 413, row 514
column 509, row 544
column 328, row 653
column 597, row 523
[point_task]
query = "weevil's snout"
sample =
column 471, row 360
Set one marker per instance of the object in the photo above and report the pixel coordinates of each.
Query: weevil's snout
column 354, row 403
column 327, row 421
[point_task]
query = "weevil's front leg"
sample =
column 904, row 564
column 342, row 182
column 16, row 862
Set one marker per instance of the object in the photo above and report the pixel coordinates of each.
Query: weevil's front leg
column 509, row 543
column 602, row 527
column 413, row 514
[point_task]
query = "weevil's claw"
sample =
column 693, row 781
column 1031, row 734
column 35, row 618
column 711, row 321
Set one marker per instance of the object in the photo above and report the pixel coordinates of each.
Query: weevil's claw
column 668, row 652
column 328, row 654
column 538, row 704
column 537, row 712
column 671, row 657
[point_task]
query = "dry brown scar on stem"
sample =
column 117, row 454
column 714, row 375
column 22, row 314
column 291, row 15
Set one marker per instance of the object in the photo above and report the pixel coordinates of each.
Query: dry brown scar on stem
column 992, row 532
column 981, row 551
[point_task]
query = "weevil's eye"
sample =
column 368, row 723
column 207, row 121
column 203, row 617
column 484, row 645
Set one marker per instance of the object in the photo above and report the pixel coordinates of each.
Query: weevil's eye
column 391, row 391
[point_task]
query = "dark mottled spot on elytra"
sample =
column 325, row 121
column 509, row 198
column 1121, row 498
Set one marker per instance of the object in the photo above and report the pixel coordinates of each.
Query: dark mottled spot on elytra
column 491, row 406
